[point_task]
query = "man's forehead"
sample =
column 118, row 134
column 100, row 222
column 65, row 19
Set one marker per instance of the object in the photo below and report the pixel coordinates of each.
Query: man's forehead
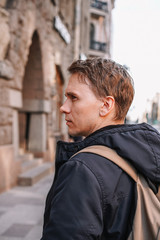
column 75, row 86
column 80, row 78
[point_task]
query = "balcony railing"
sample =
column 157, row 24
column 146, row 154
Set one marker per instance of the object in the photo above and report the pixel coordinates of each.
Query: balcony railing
column 98, row 46
column 99, row 5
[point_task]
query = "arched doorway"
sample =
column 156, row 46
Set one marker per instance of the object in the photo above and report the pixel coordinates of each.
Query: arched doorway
column 32, row 117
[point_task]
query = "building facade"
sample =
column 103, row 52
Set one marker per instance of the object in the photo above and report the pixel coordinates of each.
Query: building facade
column 38, row 40
column 152, row 111
column 100, row 28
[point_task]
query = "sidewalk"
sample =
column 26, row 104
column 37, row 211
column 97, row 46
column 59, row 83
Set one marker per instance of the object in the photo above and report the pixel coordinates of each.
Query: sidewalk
column 21, row 211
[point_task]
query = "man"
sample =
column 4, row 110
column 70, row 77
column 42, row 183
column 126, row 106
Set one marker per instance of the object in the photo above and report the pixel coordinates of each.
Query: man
column 91, row 197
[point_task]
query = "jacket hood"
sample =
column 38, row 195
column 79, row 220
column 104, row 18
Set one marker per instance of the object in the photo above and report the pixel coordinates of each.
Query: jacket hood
column 138, row 143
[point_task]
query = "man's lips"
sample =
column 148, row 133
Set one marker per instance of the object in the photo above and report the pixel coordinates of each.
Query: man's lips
column 68, row 121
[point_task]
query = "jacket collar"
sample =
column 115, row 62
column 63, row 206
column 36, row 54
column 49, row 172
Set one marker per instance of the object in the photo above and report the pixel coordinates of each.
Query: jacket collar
column 65, row 150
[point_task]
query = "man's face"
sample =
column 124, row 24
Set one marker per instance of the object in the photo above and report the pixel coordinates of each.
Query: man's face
column 81, row 107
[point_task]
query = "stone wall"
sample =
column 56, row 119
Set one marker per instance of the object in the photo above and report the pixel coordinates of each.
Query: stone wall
column 31, row 51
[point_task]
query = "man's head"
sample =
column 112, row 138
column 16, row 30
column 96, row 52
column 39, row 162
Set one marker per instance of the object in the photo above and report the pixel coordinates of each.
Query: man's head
column 99, row 93
column 107, row 78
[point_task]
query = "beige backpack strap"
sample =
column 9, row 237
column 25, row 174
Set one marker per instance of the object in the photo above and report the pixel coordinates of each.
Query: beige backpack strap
column 114, row 157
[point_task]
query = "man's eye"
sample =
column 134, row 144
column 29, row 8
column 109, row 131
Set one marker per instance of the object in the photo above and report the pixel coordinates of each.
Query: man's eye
column 73, row 97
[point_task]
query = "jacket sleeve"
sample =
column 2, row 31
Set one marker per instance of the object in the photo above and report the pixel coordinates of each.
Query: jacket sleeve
column 76, row 209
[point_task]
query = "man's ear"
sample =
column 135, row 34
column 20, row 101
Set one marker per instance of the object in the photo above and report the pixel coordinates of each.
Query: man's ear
column 107, row 107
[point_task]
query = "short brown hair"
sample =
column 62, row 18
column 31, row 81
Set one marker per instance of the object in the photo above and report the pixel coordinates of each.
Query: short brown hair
column 107, row 78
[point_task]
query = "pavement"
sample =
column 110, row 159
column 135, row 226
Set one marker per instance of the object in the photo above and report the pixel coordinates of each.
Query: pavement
column 22, row 209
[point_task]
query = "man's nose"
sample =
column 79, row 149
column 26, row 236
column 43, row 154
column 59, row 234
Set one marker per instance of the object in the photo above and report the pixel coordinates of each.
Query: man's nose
column 65, row 107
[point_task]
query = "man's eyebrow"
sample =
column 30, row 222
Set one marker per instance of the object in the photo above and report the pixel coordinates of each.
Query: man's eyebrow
column 70, row 94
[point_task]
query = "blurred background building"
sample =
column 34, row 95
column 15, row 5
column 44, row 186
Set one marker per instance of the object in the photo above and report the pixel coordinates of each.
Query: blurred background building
column 152, row 112
column 38, row 41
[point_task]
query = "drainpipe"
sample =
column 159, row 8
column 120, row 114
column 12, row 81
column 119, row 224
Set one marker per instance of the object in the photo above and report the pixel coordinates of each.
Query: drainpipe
column 77, row 29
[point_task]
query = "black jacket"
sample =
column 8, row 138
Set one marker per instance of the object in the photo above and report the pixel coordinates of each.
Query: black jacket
column 91, row 197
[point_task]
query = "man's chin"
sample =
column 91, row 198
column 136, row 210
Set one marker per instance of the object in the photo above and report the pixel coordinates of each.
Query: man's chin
column 74, row 134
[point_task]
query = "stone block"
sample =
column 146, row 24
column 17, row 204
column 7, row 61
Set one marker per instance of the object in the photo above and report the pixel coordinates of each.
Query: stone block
column 9, row 168
column 10, row 98
column 5, row 135
column 15, row 98
column 3, row 96
column 36, row 105
column 6, row 70
column 34, row 175
column 5, row 116
column 37, row 133
column 5, row 34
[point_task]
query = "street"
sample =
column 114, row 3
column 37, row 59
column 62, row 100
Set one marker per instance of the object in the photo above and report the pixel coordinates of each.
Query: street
column 21, row 211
